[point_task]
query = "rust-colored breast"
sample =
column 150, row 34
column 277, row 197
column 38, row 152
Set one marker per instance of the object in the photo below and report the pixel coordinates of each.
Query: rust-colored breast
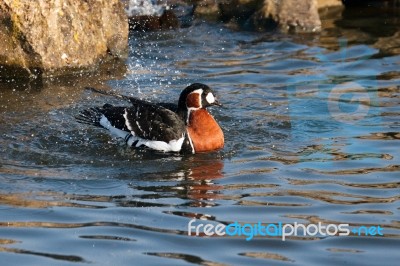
column 204, row 131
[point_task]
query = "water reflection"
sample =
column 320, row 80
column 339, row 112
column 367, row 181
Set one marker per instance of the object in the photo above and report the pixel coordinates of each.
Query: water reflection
column 69, row 258
column 196, row 181
column 202, row 186
column 185, row 257
column 54, row 92
column 361, row 25
column 265, row 255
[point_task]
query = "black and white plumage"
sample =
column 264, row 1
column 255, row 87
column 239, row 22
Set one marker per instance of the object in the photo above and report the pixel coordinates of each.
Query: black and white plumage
column 161, row 126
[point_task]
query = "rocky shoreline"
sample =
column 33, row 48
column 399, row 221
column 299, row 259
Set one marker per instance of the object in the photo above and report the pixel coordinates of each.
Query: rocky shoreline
column 46, row 38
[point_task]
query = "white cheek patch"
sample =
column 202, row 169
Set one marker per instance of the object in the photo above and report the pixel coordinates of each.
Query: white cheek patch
column 210, row 98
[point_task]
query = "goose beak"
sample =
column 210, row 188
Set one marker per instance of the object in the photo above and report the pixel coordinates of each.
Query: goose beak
column 217, row 103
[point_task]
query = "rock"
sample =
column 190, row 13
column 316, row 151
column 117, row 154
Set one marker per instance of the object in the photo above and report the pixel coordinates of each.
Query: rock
column 293, row 14
column 288, row 15
column 240, row 10
column 227, row 10
column 207, row 9
column 375, row 3
column 48, row 37
column 329, row 3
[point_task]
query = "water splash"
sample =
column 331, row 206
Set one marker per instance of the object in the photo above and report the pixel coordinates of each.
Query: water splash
column 144, row 8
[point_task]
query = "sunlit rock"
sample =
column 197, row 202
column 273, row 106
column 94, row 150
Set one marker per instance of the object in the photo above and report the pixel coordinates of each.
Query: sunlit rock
column 329, row 3
column 208, row 9
column 49, row 37
column 287, row 15
column 293, row 15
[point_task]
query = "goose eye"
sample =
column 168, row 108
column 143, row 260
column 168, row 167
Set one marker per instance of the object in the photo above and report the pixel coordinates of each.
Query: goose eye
column 210, row 98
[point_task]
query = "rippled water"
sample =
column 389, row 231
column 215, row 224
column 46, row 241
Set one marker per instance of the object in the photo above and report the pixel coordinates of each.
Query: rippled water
column 312, row 135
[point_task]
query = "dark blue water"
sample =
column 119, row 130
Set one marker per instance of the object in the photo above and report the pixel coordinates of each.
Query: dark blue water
column 312, row 134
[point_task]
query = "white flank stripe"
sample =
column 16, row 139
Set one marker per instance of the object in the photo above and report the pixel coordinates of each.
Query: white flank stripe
column 137, row 123
column 127, row 124
column 104, row 122
column 172, row 146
